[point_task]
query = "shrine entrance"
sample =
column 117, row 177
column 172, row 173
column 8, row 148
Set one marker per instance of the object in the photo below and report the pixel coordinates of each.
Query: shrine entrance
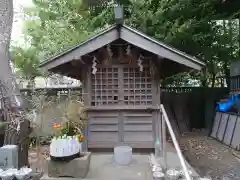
column 121, row 96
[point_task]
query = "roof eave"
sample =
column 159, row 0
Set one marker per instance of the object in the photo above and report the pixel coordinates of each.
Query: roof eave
column 130, row 35
column 165, row 50
column 86, row 42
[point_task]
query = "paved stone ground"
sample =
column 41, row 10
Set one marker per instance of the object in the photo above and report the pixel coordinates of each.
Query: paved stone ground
column 102, row 168
column 210, row 158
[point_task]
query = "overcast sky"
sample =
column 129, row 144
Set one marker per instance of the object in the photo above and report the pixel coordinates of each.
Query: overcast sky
column 18, row 18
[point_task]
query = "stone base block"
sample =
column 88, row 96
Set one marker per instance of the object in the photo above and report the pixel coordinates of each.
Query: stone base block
column 76, row 168
column 123, row 155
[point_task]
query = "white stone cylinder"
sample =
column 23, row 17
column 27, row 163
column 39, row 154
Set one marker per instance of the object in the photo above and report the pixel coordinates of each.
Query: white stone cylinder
column 122, row 155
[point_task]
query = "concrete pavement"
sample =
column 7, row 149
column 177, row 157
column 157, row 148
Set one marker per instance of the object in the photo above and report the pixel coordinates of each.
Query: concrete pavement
column 102, row 167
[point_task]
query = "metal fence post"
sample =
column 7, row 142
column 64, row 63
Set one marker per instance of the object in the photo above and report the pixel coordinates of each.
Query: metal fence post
column 160, row 128
column 164, row 139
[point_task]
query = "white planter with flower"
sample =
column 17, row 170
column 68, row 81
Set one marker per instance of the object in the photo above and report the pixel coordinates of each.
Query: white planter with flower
column 68, row 142
column 64, row 146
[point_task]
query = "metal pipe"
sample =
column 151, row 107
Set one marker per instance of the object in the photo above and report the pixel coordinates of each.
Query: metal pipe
column 160, row 129
column 175, row 143
column 164, row 147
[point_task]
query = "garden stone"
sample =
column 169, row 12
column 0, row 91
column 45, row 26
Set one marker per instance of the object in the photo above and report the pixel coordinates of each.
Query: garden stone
column 9, row 156
column 76, row 168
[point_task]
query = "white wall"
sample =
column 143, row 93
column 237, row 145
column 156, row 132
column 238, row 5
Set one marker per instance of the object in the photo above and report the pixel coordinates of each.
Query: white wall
column 51, row 82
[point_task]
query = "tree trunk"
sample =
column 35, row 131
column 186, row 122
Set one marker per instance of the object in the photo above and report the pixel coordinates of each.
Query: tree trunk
column 213, row 80
column 11, row 101
column 238, row 37
column 203, row 78
column 227, row 74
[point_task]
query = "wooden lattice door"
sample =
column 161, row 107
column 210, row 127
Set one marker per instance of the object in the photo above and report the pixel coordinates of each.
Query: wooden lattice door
column 114, row 85
column 137, row 86
column 105, row 86
column 121, row 90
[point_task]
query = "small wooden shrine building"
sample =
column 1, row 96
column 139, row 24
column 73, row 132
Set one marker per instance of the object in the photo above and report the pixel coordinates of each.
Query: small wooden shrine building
column 120, row 69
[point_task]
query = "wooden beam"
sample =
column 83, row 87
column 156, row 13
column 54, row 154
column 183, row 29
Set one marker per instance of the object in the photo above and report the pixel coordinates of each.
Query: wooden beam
column 78, row 59
column 69, row 70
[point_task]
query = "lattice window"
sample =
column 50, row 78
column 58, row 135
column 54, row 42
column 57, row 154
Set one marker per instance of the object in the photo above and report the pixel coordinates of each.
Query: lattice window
column 137, row 86
column 105, row 86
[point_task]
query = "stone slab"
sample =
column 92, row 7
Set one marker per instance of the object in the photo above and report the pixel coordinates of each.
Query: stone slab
column 76, row 168
column 9, row 156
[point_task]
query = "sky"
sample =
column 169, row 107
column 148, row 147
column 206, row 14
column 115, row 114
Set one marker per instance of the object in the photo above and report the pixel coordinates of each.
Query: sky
column 18, row 19
column 17, row 34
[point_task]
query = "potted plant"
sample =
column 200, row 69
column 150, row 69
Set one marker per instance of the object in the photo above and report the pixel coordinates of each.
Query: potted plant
column 72, row 129
column 67, row 142
column 75, row 117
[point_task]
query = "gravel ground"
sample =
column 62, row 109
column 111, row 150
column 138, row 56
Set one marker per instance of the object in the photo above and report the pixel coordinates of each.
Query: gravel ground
column 210, row 158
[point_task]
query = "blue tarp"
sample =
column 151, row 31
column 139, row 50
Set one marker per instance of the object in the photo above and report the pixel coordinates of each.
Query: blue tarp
column 228, row 104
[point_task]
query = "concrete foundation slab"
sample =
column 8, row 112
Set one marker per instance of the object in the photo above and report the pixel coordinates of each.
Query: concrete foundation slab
column 103, row 167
